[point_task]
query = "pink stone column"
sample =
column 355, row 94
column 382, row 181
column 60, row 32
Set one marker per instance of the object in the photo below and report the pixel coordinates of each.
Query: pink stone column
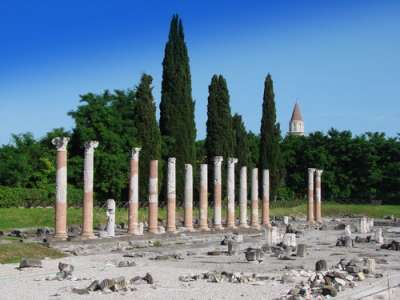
column 243, row 197
column 318, row 214
column 204, row 197
column 61, row 188
column 231, row 192
column 265, row 211
column 254, row 199
column 153, row 197
column 310, row 208
column 188, row 217
column 217, row 192
column 171, row 195
column 133, row 210
column 87, row 226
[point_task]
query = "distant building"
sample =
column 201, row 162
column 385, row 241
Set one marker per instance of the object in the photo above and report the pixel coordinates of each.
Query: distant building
column 296, row 124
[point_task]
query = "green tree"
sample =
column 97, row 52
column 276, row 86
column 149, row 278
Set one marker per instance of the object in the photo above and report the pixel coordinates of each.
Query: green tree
column 270, row 137
column 177, row 122
column 148, row 134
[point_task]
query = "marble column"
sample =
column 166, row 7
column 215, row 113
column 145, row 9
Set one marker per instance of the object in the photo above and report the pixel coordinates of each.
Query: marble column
column 217, row 192
column 133, row 210
column 153, row 197
column 310, row 207
column 318, row 214
column 231, row 192
column 87, row 226
column 110, row 218
column 171, row 195
column 204, row 197
column 265, row 211
column 243, row 197
column 188, row 196
column 61, row 188
column 254, row 199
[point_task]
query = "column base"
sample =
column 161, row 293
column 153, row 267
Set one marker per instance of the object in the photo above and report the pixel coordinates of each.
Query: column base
column 88, row 235
column 153, row 230
column 204, row 228
column 61, row 236
column 171, row 230
column 189, row 229
column 255, row 226
column 230, row 226
column 268, row 225
column 244, row 226
column 218, row 227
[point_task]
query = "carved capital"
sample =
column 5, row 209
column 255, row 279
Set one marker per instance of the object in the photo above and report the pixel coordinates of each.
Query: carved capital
column 60, row 143
column 135, row 153
column 319, row 172
column 311, row 171
column 171, row 161
column 91, row 145
column 218, row 160
column 232, row 160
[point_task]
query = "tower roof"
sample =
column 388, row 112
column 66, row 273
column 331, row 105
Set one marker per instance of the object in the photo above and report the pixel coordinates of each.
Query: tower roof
column 296, row 115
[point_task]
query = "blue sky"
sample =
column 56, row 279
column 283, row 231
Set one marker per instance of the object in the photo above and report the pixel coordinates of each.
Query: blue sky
column 339, row 59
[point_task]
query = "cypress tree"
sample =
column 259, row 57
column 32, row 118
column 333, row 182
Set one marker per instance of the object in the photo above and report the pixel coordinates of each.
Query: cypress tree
column 270, row 135
column 177, row 122
column 219, row 139
column 148, row 134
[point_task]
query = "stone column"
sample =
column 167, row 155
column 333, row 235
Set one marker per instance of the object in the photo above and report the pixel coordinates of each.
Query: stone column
column 133, row 210
column 111, row 217
column 243, row 197
column 153, row 197
column 318, row 214
column 217, row 192
column 231, row 192
column 204, row 197
column 310, row 207
column 61, row 189
column 254, row 199
column 265, row 211
column 188, row 222
column 87, row 230
column 171, row 195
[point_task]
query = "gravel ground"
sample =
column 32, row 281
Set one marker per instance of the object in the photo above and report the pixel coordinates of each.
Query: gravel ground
column 100, row 264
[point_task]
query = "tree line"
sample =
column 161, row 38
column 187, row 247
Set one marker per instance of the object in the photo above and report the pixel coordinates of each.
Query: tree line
column 362, row 168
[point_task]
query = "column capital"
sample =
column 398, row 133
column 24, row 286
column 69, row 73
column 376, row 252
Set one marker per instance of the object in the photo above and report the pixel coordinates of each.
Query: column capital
column 91, row 145
column 60, row 143
column 311, row 170
column 135, row 153
column 232, row 160
column 218, row 160
column 188, row 166
column 171, row 160
column 319, row 172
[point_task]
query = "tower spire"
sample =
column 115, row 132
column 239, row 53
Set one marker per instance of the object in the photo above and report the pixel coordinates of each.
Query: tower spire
column 296, row 124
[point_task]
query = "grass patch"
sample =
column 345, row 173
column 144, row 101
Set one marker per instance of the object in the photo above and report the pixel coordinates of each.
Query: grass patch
column 12, row 218
column 14, row 251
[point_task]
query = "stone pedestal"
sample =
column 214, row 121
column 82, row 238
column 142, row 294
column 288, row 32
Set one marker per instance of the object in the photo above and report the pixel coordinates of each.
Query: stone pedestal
column 204, row 197
column 87, row 226
column 379, row 236
column 254, row 199
column 133, row 209
column 310, row 206
column 110, row 218
column 347, row 231
column 318, row 213
column 153, row 197
column 276, row 237
column 363, row 225
column 188, row 222
column 265, row 198
column 171, row 195
column 289, row 240
column 217, row 192
column 231, row 192
column 243, row 197
column 286, row 220
column 61, row 188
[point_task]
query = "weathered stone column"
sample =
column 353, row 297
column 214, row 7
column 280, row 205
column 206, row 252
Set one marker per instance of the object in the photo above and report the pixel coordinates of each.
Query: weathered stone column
column 204, row 197
column 265, row 211
column 310, row 207
column 188, row 222
column 61, row 189
column 133, row 210
column 153, row 197
column 318, row 214
column 254, row 199
column 231, row 192
column 243, row 197
column 217, row 192
column 111, row 217
column 87, row 226
column 171, row 195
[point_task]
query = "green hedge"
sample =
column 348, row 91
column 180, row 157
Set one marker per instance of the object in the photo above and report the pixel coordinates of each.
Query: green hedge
column 33, row 197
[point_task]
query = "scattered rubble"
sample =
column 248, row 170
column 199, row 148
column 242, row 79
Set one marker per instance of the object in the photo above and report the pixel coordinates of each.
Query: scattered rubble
column 254, row 254
column 30, row 263
column 174, row 256
column 394, row 245
column 224, row 276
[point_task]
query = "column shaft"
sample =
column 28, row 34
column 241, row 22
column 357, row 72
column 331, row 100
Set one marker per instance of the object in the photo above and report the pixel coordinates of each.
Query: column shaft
column 310, row 208
column 153, row 197
column 204, row 197
column 231, row 192
column 217, row 192
column 171, row 195
column 188, row 220
column 254, row 199
column 133, row 210
column 243, row 197
column 265, row 211
column 87, row 226
column 318, row 214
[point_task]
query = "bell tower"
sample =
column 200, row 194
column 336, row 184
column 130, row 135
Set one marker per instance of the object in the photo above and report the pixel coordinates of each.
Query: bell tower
column 296, row 124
